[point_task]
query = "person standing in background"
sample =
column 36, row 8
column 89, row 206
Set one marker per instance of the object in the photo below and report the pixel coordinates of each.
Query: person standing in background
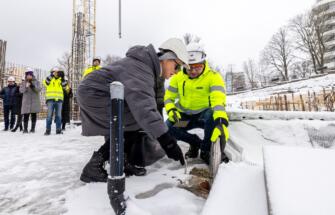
column 30, row 89
column 9, row 100
column 17, row 108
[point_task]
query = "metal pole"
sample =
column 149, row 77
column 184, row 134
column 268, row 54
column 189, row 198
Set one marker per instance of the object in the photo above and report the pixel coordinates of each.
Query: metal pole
column 116, row 179
column 120, row 35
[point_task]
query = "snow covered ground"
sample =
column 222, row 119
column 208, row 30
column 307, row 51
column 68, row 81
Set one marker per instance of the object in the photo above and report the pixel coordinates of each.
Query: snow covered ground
column 314, row 84
column 40, row 175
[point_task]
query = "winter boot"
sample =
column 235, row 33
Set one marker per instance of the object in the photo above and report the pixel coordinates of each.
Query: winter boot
column 94, row 170
column 63, row 126
column 195, row 144
column 47, row 132
column 192, row 152
column 33, row 125
column 205, row 156
column 130, row 170
column 59, row 131
column 25, row 125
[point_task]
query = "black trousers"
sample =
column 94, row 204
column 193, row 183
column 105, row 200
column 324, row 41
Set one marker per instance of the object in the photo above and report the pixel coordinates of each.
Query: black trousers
column 131, row 140
column 9, row 116
column 18, row 122
column 26, row 120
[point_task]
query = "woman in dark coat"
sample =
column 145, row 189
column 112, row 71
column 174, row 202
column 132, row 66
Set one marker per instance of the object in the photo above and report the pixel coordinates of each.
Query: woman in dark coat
column 17, row 109
column 66, row 102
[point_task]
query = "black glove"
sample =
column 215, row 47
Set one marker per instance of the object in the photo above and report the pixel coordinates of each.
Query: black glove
column 171, row 148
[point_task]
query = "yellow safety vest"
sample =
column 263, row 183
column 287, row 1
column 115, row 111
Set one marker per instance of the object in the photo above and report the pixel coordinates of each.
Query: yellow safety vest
column 90, row 69
column 54, row 91
column 192, row 96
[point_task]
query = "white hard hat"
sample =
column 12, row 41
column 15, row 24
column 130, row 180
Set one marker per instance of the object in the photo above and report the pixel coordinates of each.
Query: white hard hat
column 97, row 58
column 196, row 53
column 29, row 69
column 178, row 47
column 55, row 69
column 11, row 78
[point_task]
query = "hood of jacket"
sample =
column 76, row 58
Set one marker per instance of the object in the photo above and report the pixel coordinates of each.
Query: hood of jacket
column 147, row 55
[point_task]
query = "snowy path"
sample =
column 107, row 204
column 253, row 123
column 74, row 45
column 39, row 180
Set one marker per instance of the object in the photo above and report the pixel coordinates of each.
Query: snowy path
column 40, row 175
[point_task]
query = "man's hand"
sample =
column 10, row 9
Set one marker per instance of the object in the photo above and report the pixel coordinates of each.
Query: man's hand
column 220, row 130
column 174, row 115
column 171, row 148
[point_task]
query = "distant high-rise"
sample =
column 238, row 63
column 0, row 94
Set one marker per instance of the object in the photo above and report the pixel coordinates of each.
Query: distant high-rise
column 327, row 10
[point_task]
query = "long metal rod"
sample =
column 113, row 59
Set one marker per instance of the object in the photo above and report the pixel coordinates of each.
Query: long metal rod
column 116, row 179
column 120, row 20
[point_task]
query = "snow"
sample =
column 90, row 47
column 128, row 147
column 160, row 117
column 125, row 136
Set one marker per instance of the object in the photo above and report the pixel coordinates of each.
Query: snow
column 300, row 180
column 239, row 189
column 40, row 175
column 314, row 84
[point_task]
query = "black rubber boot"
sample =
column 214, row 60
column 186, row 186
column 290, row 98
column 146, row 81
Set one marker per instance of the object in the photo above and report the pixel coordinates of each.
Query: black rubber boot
column 47, row 132
column 25, row 125
column 94, row 170
column 33, row 125
column 116, row 188
column 195, row 144
column 59, row 131
column 130, row 170
column 192, row 152
column 205, row 156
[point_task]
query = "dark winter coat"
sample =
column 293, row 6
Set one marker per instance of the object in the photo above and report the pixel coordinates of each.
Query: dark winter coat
column 31, row 97
column 8, row 95
column 139, row 71
column 160, row 95
column 18, row 102
column 66, row 106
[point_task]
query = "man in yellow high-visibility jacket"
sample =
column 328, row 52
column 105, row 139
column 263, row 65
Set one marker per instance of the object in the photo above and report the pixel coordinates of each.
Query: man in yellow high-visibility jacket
column 54, row 97
column 95, row 66
column 196, row 98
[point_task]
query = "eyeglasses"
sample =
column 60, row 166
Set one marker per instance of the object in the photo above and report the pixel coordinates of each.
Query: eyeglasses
column 196, row 67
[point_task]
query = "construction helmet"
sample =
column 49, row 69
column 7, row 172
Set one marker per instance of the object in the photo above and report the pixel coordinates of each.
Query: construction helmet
column 29, row 69
column 196, row 53
column 96, row 58
column 11, row 78
column 177, row 47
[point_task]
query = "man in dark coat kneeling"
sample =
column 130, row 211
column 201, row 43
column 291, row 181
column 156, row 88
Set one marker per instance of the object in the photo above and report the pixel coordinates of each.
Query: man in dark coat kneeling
column 140, row 72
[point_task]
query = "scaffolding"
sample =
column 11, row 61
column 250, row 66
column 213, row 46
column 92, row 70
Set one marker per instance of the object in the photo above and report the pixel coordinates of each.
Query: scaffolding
column 83, row 44
column 2, row 62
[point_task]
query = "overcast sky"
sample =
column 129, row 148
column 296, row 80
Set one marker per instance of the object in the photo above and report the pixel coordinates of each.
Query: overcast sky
column 39, row 31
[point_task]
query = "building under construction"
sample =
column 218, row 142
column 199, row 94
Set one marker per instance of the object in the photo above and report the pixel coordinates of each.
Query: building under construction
column 2, row 62
column 83, row 44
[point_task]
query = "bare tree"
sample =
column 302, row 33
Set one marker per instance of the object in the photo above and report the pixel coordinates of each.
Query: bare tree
column 188, row 38
column 250, row 69
column 65, row 63
column 309, row 29
column 279, row 53
column 111, row 59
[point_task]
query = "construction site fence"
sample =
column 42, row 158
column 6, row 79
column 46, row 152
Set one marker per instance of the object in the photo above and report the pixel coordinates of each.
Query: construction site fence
column 323, row 100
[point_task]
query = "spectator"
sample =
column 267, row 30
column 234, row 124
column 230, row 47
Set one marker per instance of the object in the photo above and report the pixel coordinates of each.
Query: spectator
column 9, row 100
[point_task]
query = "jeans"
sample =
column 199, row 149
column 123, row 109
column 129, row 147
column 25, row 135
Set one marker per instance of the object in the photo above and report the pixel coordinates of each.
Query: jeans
column 57, row 107
column 8, row 110
column 202, row 120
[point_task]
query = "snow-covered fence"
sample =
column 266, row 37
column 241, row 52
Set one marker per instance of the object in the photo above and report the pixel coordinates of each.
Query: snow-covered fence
column 18, row 71
column 290, row 101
